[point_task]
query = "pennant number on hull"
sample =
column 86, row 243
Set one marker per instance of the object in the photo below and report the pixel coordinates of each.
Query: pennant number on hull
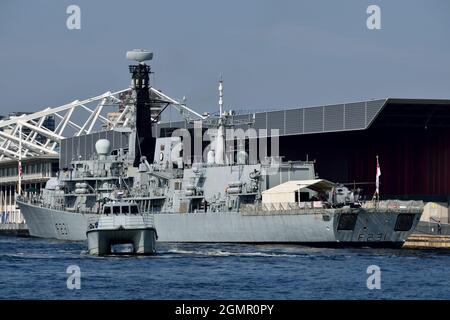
column 61, row 229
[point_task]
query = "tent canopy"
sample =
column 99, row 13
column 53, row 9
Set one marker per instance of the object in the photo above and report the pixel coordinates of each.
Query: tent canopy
column 295, row 185
column 286, row 192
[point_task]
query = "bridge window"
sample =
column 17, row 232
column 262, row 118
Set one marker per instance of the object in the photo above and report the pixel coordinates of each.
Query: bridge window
column 116, row 209
column 134, row 209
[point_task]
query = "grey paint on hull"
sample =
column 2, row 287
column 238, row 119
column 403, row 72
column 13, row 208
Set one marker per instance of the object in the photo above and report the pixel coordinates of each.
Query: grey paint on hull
column 101, row 240
column 231, row 227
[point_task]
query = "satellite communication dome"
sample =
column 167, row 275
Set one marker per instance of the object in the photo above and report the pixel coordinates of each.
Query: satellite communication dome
column 139, row 55
column 51, row 184
column 103, row 147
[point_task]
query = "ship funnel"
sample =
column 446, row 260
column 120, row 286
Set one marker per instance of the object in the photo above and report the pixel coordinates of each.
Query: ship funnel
column 103, row 148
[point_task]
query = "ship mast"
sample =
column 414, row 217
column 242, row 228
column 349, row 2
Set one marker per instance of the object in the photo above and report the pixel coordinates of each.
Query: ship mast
column 220, row 96
column 220, row 139
column 144, row 144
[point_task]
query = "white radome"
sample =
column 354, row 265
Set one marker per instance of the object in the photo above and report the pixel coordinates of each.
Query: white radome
column 139, row 55
column 103, row 147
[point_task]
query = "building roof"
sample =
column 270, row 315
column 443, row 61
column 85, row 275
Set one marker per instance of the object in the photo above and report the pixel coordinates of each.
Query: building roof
column 327, row 118
column 294, row 185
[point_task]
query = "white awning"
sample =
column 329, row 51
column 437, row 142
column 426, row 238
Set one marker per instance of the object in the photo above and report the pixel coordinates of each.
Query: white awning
column 295, row 185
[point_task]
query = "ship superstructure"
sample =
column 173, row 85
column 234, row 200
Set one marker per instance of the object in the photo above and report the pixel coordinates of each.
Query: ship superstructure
column 219, row 196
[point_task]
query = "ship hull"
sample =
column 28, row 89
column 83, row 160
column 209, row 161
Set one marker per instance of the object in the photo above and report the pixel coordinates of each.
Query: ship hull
column 142, row 239
column 368, row 230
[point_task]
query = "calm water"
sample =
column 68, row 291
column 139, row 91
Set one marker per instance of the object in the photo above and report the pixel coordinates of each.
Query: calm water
column 36, row 269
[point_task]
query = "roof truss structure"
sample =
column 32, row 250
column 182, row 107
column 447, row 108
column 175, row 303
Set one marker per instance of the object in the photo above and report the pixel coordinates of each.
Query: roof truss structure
column 28, row 136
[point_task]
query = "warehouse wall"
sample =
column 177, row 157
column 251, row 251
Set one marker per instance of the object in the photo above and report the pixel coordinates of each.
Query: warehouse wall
column 414, row 162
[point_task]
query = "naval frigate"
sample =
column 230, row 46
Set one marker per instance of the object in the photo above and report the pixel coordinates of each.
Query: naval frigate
column 226, row 198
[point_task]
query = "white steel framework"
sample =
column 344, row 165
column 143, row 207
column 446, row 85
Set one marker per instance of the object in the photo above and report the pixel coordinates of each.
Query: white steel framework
column 27, row 136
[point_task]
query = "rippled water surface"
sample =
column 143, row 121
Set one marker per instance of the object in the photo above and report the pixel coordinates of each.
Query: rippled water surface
column 36, row 269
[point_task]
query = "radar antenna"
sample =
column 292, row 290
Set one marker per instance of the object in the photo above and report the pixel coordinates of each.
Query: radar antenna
column 144, row 143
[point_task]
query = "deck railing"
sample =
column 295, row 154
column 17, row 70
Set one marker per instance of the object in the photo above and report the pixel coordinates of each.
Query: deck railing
column 321, row 207
column 125, row 221
column 36, row 201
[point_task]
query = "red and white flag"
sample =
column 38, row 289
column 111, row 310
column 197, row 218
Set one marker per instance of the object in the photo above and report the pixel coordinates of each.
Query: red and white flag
column 377, row 182
column 20, row 170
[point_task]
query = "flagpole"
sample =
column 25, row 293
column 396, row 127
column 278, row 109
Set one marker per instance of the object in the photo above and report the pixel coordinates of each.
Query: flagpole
column 376, row 195
column 19, row 171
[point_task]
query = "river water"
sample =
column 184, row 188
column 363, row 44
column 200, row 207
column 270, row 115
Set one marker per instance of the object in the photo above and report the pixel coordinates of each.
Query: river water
column 37, row 269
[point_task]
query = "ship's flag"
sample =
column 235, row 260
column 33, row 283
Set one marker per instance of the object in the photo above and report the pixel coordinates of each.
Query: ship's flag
column 377, row 181
column 20, row 170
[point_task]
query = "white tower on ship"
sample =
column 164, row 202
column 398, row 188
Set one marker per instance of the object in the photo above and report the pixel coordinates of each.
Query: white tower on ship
column 220, row 139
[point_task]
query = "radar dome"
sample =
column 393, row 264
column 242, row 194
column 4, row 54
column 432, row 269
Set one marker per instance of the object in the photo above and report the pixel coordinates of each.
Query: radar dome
column 103, row 147
column 139, row 55
column 52, row 184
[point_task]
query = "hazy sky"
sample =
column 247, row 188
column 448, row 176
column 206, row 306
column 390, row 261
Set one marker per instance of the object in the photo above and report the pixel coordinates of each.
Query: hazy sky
column 273, row 54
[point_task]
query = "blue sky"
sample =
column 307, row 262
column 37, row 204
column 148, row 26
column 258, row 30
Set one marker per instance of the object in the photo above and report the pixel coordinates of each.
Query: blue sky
column 272, row 54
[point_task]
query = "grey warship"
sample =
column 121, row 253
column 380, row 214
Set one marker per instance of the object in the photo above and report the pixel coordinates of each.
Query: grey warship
column 218, row 198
